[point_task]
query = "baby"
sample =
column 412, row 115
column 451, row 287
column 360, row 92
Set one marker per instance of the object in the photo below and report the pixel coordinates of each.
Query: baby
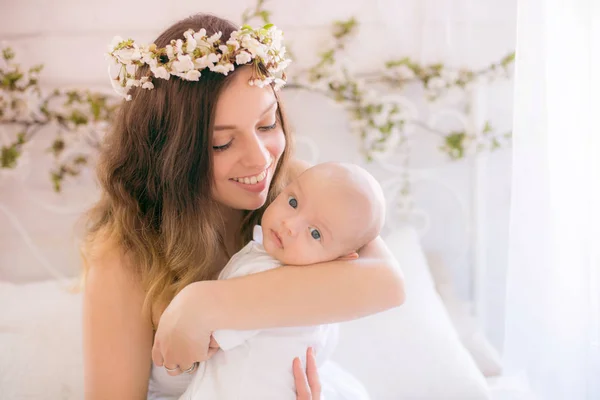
column 329, row 212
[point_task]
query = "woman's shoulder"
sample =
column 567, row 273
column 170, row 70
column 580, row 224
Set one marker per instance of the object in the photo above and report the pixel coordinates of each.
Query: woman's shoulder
column 101, row 250
column 108, row 272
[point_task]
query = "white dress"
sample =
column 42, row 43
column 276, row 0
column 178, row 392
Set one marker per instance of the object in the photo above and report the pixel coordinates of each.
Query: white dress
column 257, row 364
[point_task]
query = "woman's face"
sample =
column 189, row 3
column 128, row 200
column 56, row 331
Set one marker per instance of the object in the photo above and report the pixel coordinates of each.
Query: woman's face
column 247, row 143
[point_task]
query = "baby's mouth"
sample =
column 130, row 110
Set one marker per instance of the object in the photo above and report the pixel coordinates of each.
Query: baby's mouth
column 277, row 239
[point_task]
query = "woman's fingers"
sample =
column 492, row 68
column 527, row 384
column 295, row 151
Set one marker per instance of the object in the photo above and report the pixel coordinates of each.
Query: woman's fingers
column 302, row 388
column 212, row 351
column 157, row 357
column 190, row 369
column 172, row 370
column 213, row 343
column 308, row 385
column 313, row 376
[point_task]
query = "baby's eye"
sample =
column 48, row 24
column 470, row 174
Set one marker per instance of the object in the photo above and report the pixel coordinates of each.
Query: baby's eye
column 315, row 233
column 293, row 202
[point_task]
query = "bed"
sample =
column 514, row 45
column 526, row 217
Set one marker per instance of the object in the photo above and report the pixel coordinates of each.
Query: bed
column 429, row 348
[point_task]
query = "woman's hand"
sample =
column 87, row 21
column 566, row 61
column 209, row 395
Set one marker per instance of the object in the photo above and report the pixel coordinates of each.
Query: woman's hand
column 308, row 386
column 182, row 337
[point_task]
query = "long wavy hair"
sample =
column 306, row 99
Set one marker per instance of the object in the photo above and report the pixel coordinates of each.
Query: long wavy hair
column 155, row 172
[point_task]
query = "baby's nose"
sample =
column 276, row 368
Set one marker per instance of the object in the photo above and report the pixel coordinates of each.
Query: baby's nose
column 290, row 226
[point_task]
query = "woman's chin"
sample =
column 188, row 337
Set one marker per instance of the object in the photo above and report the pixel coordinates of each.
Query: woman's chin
column 251, row 203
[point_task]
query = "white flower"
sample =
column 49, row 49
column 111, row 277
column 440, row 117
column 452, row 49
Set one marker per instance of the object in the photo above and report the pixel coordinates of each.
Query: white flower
column 183, row 64
column 146, row 84
column 191, row 45
column 192, row 75
column 222, row 68
column 262, row 82
column 127, row 56
column 201, row 63
column 114, row 43
column 450, row 76
column 404, row 72
column 200, row 34
column 245, row 44
column 179, row 46
column 436, row 83
column 233, row 43
column 132, row 82
column 276, row 37
column 214, row 38
column 213, row 58
column 224, row 49
column 170, row 52
column 254, row 47
column 380, row 119
column 191, row 42
column 279, row 83
column 147, row 55
column 243, row 58
column 161, row 72
column 206, row 61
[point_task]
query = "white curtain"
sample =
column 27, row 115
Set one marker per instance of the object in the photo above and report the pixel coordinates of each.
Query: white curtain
column 553, row 282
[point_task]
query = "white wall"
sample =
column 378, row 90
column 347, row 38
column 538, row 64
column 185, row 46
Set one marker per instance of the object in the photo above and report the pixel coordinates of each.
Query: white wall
column 70, row 37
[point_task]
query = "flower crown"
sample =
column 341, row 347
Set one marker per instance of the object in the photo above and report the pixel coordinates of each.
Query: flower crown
column 186, row 58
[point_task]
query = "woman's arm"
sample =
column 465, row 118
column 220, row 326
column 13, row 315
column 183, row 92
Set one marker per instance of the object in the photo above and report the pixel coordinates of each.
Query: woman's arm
column 117, row 338
column 306, row 295
column 285, row 296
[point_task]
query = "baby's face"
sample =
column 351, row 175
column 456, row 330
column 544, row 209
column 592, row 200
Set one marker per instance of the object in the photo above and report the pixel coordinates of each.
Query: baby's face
column 312, row 220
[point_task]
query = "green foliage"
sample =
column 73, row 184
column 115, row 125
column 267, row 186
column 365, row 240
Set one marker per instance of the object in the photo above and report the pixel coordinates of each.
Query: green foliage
column 76, row 113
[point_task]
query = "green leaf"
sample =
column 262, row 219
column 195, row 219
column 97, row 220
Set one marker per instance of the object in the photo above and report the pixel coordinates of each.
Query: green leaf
column 36, row 68
column 11, row 78
column 57, row 147
column 508, row 59
column 487, row 127
column 78, row 117
column 454, row 144
column 8, row 54
column 9, row 156
column 265, row 15
column 57, row 179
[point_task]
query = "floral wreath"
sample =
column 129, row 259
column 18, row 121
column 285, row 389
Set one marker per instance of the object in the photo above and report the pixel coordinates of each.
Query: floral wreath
column 187, row 58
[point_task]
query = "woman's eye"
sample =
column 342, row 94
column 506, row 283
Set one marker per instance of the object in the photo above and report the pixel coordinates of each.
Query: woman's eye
column 223, row 147
column 269, row 127
column 315, row 234
column 293, row 202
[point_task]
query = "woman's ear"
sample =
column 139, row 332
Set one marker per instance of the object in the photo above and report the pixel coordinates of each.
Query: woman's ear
column 350, row 256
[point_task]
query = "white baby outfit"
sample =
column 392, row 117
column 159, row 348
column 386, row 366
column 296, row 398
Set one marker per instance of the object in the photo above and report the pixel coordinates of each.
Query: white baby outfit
column 257, row 364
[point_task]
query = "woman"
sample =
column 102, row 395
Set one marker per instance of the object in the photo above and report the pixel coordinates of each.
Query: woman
column 186, row 173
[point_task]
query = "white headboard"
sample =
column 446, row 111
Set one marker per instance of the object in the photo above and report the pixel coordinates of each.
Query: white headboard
column 37, row 240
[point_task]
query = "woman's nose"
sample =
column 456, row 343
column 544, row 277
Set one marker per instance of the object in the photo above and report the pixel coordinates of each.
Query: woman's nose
column 257, row 155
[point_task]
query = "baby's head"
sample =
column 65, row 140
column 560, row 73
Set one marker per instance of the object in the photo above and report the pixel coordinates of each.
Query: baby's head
column 330, row 211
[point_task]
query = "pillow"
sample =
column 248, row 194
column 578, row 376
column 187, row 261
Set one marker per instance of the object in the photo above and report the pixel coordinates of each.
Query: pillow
column 40, row 341
column 412, row 351
column 470, row 333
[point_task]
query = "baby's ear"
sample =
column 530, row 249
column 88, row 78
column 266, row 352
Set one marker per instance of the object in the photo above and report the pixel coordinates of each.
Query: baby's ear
column 351, row 256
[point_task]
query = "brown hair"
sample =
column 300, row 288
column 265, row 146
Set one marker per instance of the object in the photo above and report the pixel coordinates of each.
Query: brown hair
column 155, row 171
